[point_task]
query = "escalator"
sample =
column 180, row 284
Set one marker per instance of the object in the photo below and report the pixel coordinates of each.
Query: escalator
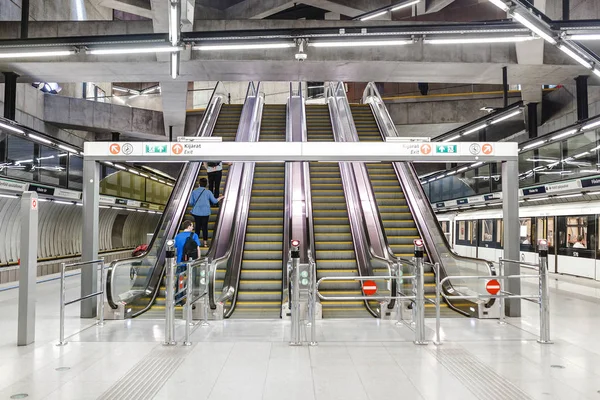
column 334, row 246
column 398, row 221
column 259, row 290
column 225, row 127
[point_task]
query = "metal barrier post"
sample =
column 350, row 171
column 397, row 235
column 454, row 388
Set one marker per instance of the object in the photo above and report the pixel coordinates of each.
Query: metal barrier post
column 189, row 293
column 103, row 290
column 205, row 277
column 544, row 292
column 438, row 289
column 399, row 284
column 62, row 305
column 294, row 273
column 170, row 262
column 419, row 309
column 501, row 268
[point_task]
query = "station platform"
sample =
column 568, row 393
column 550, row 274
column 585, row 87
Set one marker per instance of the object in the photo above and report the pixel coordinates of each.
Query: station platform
column 354, row 359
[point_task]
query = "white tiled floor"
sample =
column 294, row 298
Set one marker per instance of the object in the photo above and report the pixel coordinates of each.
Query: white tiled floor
column 355, row 359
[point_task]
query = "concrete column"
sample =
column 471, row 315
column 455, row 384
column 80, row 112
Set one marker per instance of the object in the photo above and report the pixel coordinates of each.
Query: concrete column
column 10, row 95
column 581, row 85
column 510, row 211
column 28, row 268
column 89, row 248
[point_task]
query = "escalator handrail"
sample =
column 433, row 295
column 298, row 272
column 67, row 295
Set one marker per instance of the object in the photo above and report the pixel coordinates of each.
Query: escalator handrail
column 182, row 190
column 248, row 131
column 406, row 174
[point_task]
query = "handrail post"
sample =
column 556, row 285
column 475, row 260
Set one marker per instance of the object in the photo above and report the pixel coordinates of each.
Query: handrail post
column 103, row 290
column 419, row 309
column 502, row 281
column 204, row 277
column 313, row 303
column 294, row 273
column 62, row 305
column 189, row 293
column 438, row 290
column 399, row 284
column 544, row 292
column 170, row 262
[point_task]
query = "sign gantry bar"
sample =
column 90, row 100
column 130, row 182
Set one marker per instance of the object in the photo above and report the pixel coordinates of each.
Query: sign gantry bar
column 300, row 151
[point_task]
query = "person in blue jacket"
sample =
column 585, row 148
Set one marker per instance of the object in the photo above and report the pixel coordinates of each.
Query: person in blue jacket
column 200, row 201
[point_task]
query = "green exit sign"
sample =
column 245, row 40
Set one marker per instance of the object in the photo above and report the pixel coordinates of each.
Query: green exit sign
column 446, row 148
column 156, row 149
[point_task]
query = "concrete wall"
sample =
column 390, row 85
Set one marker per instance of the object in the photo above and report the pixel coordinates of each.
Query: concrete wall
column 30, row 112
column 560, row 108
column 275, row 92
column 55, row 10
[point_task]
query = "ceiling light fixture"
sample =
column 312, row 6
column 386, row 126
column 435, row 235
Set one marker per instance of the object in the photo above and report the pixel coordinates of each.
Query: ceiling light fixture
column 133, row 171
column 452, row 138
column 584, row 37
column 591, row 125
column 356, row 43
column 135, row 50
column 462, row 169
column 569, row 195
column 581, row 155
column 11, row 128
column 174, row 24
column 512, row 114
column 535, row 29
column 596, row 71
column 23, row 54
column 67, row 148
column 473, row 130
column 174, row 65
column 500, row 4
column 120, row 167
column 39, row 138
column 244, row 46
column 379, row 14
column 508, row 39
column 534, row 144
column 564, row 134
column 574, row 56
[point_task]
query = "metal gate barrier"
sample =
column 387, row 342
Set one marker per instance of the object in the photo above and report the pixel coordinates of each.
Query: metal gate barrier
column 541, row 298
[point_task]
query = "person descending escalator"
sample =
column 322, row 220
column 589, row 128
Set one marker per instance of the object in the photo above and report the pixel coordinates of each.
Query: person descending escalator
column 200, row 200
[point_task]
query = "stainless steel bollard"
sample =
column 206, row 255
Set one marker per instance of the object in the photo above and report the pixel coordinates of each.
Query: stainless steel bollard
column 62, row 305
column 419, row 289
column 438, row 295
column 502, row 280
column 313, row 307
column 294, row 273
column 170, row 265
column 103, row 290
column 544, row 293
column 204, row 281
column 399, row 284
column 189, row 293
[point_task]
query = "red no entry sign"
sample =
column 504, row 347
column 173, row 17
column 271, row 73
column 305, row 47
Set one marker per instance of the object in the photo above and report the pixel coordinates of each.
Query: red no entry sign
column 369, row 288
column 493, row 287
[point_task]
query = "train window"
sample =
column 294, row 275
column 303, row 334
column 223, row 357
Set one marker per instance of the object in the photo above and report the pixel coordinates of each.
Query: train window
column 500, row 232
column 576, row 233
column 525, row 232
column 461, row 230
column 550, row 231
column 487, row 230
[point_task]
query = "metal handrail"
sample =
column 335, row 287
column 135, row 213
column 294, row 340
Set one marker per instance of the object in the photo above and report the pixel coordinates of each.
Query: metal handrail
column 169, row 222
column 64, row 302
column 364, row 278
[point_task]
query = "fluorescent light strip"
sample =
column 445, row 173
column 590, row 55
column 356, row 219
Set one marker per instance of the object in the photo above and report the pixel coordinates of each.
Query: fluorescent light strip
column 452, row 138
column 55, row 53
column 450, row 173
column 67, row 148
column 379, row 14
column 63, row 154
column 11, row 128
column 564, row 134
column 62, row 202
column 591, row 125
column 534, row 144
column 512, row 114
column 569, row 195
column 462, row 169
column 473, row 130
column 596, row 72
column 174, row 23
column 120, row 167
column 153, row 178
column 584, row 37
column 39, row 138
column 241, row 46
column 144, row 175
column 508, row 39
column 580, row 155
column 401, row 6
column 174, row 65
column 108, row 163
column 538, row 31
column 8, row 196
column 574, row 56
column 592, row 193
column 500, row 4
column 133, row 171
column 135, row 50
column 477, row 164
column 357, row 43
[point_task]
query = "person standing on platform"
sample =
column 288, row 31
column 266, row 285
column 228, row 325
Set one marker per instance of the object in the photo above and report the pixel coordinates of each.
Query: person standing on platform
column 215, row 173
column 200, row 200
